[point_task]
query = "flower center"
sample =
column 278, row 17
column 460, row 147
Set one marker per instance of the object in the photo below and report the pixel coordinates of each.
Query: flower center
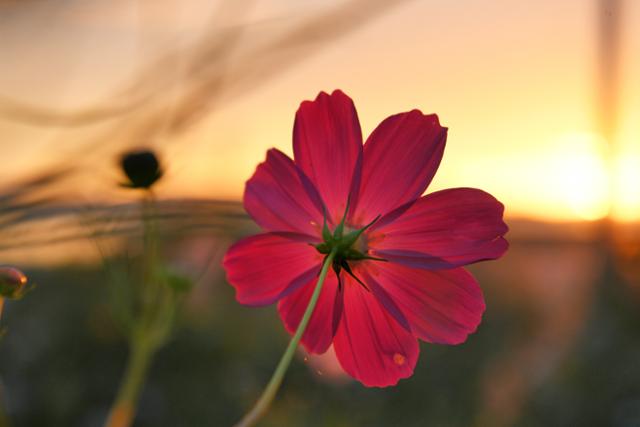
column 349, row 246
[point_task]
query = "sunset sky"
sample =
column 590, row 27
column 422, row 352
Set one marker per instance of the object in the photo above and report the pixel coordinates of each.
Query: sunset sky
column 515, row 83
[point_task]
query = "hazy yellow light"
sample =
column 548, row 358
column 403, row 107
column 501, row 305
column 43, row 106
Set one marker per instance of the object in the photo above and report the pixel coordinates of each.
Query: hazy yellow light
column 580, row 174
column 626, row 179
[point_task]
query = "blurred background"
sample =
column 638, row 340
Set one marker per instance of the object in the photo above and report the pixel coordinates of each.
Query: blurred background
column 542, row 102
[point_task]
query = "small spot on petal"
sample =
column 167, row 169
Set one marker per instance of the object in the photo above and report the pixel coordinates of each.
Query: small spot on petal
column 399, row 359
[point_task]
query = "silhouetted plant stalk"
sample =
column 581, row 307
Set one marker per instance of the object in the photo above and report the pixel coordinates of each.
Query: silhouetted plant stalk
column 150, row 303
column 13, row 285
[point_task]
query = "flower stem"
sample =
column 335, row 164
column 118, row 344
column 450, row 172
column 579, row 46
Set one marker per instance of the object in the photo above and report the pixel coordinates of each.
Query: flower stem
column 150, row 325
column 269, row 393
column 124, row 408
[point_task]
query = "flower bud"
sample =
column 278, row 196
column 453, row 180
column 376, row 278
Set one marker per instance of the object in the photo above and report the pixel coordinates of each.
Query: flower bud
column 141, row 167
column 12, row 282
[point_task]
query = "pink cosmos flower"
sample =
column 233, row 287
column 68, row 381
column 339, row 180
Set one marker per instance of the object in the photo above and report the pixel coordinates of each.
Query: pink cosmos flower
column 398, row 274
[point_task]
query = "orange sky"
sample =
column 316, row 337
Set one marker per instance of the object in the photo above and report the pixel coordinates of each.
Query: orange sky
column 513, row 81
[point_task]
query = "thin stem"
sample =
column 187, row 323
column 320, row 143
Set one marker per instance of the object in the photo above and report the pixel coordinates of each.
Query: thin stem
column 124, row 408
column 269, row 393
column 149, row 325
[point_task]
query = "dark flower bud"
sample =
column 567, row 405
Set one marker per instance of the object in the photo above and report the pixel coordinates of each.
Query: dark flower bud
column 12, row 282
column 141, row 167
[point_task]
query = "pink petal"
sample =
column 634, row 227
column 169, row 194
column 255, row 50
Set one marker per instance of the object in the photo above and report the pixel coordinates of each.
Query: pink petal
column 441, row 306
column 327, row 143
column 324, row 320
column 266, row 267
column 444, row 229
column 400, row 158
column 279, row 197
column 370, row 344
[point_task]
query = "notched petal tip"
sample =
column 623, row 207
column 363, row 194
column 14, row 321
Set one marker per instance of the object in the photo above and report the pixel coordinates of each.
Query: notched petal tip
column 432, row 117
column 427, row 119
column 339, row 94
column 336, row 95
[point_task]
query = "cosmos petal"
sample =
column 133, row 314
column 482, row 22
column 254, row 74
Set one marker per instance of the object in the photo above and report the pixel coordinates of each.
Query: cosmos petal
column 370, row 344
column 279, row 197
column 327, row 146
column 266, row 267
column 445, row 229
column 442, row 306
column 400, row 158
column 324, row 320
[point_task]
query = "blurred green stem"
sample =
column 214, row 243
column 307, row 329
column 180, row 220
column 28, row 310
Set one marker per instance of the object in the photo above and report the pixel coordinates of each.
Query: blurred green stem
column 269, row 393
column 124, row 407
column 152, row 322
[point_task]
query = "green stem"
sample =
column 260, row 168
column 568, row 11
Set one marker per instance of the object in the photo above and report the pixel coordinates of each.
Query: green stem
column 124, row 407
column 269, row 393
column 149, row 325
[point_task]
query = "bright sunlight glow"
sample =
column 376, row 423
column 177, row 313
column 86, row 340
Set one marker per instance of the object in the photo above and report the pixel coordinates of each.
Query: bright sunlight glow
column 581, row 174
column 626, row 187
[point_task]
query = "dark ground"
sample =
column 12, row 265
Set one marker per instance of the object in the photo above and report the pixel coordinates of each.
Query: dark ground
column 559, row 346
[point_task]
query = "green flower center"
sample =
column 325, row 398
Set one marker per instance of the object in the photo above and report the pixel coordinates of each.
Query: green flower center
column 349, row 246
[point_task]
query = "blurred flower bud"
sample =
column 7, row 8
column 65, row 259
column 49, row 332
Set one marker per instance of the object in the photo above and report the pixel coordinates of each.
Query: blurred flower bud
column 141, row 167
column 12, row 282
